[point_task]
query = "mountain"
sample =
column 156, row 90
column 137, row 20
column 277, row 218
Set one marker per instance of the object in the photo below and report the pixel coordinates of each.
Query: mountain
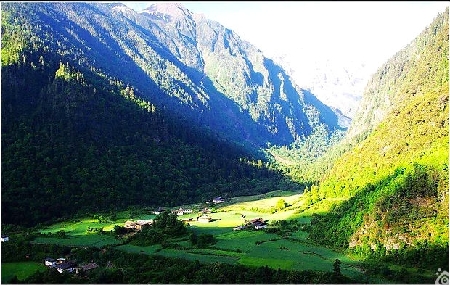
column 194, row 67
column 417, row 69
column 84, row 127
column 336, row 82
column 74, row 143
column 391, row 180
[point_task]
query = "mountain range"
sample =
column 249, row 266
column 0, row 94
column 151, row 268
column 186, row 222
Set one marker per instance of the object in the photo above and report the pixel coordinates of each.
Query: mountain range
column 194, row 66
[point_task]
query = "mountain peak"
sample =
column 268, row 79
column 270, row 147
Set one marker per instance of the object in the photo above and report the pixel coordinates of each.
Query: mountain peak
column 120, row 7
column 173, row 10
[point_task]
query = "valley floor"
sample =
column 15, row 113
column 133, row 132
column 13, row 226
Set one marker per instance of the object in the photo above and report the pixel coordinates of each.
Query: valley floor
column 282, row 244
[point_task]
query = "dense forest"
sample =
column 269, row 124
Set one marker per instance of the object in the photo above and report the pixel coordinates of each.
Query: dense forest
column 75, row 125
column 72, row 137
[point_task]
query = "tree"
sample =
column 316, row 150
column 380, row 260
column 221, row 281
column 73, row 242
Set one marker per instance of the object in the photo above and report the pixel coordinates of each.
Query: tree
column 337, row 267
column 281, row 204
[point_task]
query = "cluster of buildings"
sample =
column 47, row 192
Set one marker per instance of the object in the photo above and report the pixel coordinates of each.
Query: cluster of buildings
column 137, row 225
column 63, row 265
column 203, row 218
column 257, row 224
column 181, row 211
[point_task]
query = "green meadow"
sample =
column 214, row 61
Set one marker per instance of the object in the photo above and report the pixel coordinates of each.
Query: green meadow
column 86, row 232
column 246, row 247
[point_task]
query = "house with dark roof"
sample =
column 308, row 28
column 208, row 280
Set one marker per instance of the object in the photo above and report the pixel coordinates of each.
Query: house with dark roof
column 204, row 219
column 218, row 200
column 159, row 210
column 66, row 267
column 49, row 261
column 257, row 224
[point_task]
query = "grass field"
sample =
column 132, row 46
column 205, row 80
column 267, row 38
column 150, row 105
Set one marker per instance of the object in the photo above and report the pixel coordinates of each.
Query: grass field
column 252, row 248
column 85, row 232
column 257, row 248
column 20, row 269
column 80, row 227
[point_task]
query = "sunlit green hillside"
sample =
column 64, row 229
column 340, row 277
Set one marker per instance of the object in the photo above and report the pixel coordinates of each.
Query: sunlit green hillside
column 396, row 180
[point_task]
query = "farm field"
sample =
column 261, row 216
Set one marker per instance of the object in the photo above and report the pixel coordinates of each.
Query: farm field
column 257, row 248
column 91, row 240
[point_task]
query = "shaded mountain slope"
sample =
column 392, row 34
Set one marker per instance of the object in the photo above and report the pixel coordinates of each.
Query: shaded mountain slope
column 76, row 142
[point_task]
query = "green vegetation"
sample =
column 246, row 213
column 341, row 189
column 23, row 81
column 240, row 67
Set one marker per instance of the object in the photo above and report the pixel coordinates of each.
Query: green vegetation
column 14, row 271
column 419, row 68
column 286, row 242
column 137, row 269
column 190, row 66
column 395, row 181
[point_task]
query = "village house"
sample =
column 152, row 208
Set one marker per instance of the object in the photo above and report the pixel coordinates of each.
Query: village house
column 178, row 212
column 67, row 267
column 159, row 211
column 62, row 265
column 50, row 261
column 257, row 224
column 218, row 200
column 137, row 225
column 204, row 219
column 181, row 211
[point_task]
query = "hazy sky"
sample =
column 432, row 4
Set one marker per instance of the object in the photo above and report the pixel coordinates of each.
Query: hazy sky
column 373, row 31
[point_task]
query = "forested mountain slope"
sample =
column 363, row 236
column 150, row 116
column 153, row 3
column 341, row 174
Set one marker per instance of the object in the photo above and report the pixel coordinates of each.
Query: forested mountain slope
column 394, row 180
column 76, row 140
column 192, row 66
column 419, row 68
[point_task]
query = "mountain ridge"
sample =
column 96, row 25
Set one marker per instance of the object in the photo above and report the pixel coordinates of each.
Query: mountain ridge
column 201, row 65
